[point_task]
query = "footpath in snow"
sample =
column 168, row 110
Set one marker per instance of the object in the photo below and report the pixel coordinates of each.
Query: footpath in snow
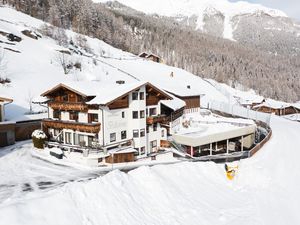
column 265, row 192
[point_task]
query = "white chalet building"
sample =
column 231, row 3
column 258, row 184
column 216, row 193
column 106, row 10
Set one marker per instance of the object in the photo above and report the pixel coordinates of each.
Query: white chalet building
column 109, row 116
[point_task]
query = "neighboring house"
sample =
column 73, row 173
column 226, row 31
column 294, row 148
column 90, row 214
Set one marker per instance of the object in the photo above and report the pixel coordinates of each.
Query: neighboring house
column 277, row 108
column 109, row 116
column 251, row 102
column 152, row 57
column 7, row 129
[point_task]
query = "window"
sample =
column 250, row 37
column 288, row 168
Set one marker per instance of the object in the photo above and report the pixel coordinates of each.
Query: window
column 153, row 144
column 147, row 112
column 142, row 96
column 142, row 114
column 152, row 111
column 142, row 133
column 143, row 150
column 135, row 133
column 68, row 138
column 112, row 137
column 135, row 96
column 135, row 114
column 93, row 117
column 155, row 127
column 65, row 98
column 74, row 116
column 147, row 129
column 123, row 135
column 90, row 141
column 81, row 140
column 162, row 133
column 123, row 114
column 56, row 114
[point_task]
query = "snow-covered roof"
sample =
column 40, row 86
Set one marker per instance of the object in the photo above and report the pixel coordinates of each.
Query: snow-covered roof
column 122, row 150
column 270, row 103
column 147, row 55
column 175, row 103
column 103, row 92
column 249, row 100
column 171, row 79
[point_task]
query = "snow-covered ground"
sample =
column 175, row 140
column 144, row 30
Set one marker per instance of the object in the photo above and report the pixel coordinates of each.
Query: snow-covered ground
column 264, row 192
column 21, row 172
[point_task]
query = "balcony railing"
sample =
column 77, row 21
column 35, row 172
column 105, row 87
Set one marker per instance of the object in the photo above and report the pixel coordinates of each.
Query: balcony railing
column 82, row 127
column 68, row 106
column 157, row 119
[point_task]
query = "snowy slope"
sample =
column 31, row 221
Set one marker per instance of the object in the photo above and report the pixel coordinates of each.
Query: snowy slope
column 34, row 70
column 265, row 192
column 202, row 9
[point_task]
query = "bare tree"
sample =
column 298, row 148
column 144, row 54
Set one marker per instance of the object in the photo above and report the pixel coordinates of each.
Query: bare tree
column 3, row 66
column 29, row 99
column 63, row 60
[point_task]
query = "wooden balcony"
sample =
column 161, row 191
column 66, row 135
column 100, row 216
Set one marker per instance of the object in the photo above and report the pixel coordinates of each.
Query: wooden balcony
column 82, row 127
column 69, row 106
column 157, row 119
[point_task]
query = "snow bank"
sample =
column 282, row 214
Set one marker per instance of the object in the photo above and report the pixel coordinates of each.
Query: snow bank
column 39, row 134
column 264, row 192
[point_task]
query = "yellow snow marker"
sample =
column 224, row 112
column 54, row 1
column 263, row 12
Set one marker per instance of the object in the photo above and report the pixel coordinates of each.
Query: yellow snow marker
column 231, row 171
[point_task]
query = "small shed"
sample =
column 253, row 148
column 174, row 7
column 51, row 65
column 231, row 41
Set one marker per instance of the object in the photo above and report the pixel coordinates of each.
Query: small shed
column 151, row 56
column 121, row 155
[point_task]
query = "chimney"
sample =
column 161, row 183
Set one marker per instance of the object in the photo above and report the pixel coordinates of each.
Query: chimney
column 120, row 82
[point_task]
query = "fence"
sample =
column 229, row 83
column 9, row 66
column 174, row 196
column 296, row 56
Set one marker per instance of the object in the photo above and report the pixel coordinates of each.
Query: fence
column 240, row 111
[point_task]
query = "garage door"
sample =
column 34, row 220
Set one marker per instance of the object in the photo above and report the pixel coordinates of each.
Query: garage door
column 3, row 139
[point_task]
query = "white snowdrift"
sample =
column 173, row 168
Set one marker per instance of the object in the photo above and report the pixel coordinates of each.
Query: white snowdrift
column 265, row 192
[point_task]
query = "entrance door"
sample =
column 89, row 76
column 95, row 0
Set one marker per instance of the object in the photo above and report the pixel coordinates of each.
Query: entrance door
column 3, row 139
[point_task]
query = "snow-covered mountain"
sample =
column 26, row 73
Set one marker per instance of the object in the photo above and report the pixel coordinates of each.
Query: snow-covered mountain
column 203, row 14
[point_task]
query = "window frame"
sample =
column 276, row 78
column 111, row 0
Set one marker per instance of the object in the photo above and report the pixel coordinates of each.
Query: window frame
column 142, row 114
column 142, row 95
column 135, row 113
column 142, row 133
column 122, row 133
column 136, row 131
column 112, row 137
column 135, row 96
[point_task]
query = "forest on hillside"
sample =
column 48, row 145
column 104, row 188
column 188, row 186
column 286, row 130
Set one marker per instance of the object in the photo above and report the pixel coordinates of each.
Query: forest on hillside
column 275, row 76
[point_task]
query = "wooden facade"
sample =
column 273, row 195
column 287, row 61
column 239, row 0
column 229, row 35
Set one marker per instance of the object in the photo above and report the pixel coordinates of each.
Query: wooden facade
column 120, row 103
column 154, row 96
column 82, row 127
column 121, row 158
column 191, row 101
column 165, row 144
column 157, row 119
column 7, row 134
column 69, row 106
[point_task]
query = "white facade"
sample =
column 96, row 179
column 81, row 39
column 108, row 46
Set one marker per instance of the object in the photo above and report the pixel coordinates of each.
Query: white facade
column 118, row 126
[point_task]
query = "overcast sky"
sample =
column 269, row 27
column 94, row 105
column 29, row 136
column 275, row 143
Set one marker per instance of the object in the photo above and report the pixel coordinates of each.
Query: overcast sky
column 290, row 7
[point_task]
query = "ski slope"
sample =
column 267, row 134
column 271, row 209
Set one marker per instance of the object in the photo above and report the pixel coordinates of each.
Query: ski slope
column 265, row 192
